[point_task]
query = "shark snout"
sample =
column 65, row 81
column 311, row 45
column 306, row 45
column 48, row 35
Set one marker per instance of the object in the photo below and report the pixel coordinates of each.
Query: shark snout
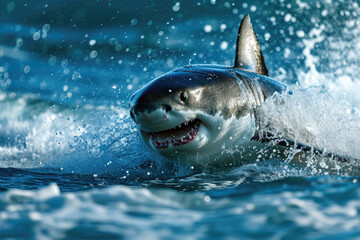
column 148, row 116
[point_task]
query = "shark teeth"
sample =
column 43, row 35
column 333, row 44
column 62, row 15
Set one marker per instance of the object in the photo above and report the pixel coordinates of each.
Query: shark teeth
column 177, row 136
column 184, row 124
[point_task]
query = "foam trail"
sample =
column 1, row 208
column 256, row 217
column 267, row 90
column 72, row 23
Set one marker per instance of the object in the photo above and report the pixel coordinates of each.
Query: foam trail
column 313, row 117
column 36, row 133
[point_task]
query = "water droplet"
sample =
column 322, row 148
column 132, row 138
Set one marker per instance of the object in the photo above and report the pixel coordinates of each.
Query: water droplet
column 92, row 42
column 36, row 36
column 27, row 69
column 223, row 45
column 133, row 22
column 176, row 7
column 93, row 54
column 208, row 28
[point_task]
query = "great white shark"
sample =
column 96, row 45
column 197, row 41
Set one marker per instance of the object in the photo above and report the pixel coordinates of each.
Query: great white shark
column 198, row 111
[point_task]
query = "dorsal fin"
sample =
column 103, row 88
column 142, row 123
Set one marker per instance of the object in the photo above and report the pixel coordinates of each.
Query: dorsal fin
column 248, row 52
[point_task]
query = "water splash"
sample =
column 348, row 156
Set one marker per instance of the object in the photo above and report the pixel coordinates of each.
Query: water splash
column 313, row 117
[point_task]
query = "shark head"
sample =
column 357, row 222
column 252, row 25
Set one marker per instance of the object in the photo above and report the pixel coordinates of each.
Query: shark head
column 193, row 112
column 196, row 111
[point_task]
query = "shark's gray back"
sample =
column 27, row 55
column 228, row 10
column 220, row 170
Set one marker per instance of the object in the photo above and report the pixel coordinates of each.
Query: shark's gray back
column 260, row 86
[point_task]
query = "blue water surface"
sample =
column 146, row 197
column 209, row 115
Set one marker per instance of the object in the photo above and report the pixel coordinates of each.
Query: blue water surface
column 73, row 167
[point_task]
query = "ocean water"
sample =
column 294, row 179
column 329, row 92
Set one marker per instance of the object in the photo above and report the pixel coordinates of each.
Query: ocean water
column 73, row 167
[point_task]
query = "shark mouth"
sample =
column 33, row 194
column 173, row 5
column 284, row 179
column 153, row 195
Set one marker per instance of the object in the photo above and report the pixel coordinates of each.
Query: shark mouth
column 177, row 136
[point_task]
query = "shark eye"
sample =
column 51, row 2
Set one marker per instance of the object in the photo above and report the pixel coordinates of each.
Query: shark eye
column 183, row 97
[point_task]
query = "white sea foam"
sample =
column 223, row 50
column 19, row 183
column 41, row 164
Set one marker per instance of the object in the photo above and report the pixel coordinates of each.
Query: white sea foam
column 38, row 134
column 313, row 117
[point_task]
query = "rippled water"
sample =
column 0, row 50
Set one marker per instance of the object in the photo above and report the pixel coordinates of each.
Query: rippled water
column 72, row 164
